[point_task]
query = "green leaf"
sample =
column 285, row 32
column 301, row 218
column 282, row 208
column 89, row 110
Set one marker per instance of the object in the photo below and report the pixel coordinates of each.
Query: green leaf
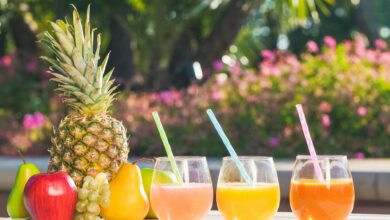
column 90, row 72
column 54, row 63
column 63, row 39
column 87, row 50
column 78, row 30
column 104, row 62
column 323, row 7
column 78, row 78
column 138, row 5
column 61, row 79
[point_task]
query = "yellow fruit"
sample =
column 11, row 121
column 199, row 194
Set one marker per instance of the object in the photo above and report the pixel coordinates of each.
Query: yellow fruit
column 128, row 200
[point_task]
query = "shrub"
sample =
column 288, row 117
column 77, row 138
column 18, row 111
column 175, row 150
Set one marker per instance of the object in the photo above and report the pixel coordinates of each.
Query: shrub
column 25, row 104
column 344, row 88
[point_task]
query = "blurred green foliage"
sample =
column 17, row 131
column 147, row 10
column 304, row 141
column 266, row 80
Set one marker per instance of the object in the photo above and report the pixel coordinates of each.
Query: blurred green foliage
column 252, row 90
column 155, row 27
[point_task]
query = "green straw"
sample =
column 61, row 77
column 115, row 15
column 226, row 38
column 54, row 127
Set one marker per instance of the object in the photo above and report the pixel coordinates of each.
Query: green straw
column 167, row 147
column 229, row 147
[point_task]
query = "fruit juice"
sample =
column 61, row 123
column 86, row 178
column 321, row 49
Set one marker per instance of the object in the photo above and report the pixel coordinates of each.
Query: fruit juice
column 188, row 202
column 314, row 200
column 238, row 201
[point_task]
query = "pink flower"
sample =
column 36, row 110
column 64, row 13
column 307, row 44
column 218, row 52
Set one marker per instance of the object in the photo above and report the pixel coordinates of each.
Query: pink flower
column 31, row 121
column 218, row 65
column 360, row 45
column 287, row 131
column 235, row 69
column 325, row 107
column 325, row 121
column 359, row 155
column 273, row 142
column 361, row 111
column 268, row 55
column 268, row 68
column 294, row 64
column 217, row 95
column 330, row 41
column 169, row 97
column 6, row 61
column 312, row 46
column 21, row 141
column 221, row 78
column 384, row 57
column 32, row 65
column 380, row 44
column 371, row 55
column 347, row 45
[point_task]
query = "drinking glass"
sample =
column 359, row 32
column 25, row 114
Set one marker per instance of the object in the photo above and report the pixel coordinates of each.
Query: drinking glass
column 238, row 200
column 190, row 200
column 314, row 199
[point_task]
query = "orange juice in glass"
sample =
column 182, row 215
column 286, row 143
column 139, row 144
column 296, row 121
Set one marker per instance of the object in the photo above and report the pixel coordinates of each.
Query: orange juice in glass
column 191, row 200
column 237, row 200
column 314, row 199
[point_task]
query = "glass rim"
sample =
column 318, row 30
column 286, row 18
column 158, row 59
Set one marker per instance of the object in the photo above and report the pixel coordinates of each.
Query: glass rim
column 261, row 158
column 181, row 158
column 320, row 157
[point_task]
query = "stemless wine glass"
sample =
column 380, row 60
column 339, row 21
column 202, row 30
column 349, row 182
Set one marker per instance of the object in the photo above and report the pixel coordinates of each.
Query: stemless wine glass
column 315, row 199
column 191, row 200
column 238, row 200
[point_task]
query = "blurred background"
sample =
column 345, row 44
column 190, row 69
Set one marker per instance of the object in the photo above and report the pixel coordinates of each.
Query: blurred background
column 249, row 60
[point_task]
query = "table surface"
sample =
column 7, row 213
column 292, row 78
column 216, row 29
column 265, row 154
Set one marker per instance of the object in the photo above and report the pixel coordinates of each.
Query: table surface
column 215, row 215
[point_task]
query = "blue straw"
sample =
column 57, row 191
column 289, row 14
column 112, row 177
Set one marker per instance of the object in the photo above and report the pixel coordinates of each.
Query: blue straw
column 229, row 147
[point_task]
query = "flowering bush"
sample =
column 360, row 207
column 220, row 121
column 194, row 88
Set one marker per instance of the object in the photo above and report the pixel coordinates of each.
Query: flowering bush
column 24, row 94
column 344, row 88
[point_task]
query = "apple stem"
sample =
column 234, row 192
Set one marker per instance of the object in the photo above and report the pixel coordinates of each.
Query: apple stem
column 21, row 156
column 150, row 160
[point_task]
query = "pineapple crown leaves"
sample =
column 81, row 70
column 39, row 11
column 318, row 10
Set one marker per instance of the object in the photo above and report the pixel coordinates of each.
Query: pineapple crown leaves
column 81, row 81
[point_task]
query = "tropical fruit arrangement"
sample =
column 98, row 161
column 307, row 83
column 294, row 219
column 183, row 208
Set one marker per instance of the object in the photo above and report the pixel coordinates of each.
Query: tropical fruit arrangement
column 90, row 178
column 88, row 173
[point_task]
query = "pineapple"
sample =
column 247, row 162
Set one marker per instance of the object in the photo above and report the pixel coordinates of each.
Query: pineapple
column 88, row 140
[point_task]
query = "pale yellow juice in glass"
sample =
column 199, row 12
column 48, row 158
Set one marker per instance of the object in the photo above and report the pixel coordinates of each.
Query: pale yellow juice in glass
column 238, row 201
column 187, row 202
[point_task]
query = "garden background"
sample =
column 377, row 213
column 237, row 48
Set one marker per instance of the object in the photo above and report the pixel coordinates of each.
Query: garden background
column 250, row 61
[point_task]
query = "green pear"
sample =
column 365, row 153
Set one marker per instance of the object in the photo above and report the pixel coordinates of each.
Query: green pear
column 164, row 177
column 15, row 204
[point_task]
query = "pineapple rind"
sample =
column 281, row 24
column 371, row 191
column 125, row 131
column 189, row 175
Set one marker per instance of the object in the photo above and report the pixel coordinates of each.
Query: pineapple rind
column 88, row 153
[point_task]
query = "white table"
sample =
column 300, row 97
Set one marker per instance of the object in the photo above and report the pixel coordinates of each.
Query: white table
column 215, row 215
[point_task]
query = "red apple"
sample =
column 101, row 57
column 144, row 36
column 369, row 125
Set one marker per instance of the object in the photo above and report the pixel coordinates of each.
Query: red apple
column 50, row 196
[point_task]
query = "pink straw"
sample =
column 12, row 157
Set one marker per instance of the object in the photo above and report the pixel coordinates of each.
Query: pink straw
column 309, row 142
